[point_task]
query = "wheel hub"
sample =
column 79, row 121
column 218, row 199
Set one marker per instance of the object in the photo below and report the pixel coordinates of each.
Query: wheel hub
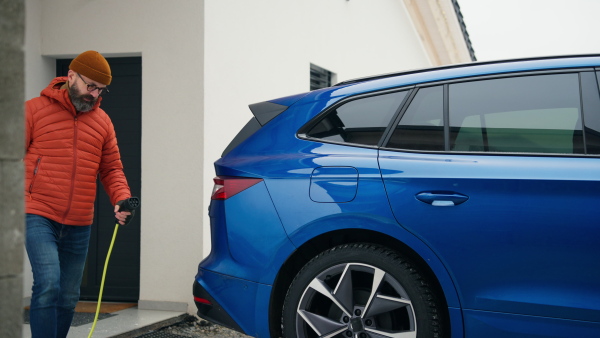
column 356, row 325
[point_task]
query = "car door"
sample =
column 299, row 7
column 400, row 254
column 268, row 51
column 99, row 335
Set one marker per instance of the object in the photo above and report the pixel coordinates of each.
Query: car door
column 493, row 174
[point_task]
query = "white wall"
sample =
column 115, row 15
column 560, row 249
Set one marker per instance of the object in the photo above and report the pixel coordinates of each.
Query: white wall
column 203, row 62
column 262, row 49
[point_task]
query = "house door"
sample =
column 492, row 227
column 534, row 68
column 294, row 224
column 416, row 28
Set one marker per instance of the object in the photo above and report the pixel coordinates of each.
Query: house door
column 124, row 106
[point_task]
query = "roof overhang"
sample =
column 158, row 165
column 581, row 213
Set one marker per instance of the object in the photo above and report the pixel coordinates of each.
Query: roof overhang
column 441, row 28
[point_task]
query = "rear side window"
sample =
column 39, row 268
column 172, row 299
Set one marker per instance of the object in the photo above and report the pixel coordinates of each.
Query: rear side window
column 361, row 121
column 537, row 114
column 422, row 126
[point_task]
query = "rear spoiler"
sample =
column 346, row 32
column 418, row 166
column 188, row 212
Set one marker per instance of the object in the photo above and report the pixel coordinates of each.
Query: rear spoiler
column 266, row 111
column 263, row 113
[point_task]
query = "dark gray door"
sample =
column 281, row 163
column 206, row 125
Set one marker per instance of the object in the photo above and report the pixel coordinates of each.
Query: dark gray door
column 124, row 106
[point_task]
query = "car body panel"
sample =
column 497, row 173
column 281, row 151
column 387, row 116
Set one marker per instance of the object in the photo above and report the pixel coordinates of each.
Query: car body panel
column 369, row 210
column 247, row 237
column 239, row 298
column 492, row 324
column 525, row 241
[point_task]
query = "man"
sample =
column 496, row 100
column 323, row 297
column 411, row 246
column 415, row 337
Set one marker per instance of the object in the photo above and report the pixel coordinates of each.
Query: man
column 69, row 141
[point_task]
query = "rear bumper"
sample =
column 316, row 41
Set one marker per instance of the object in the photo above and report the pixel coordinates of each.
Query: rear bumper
column 236, row 303
column 211, row 310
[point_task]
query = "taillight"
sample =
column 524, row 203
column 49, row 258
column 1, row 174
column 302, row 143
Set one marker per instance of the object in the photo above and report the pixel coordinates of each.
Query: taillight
column 202, row 300
column 226, row 186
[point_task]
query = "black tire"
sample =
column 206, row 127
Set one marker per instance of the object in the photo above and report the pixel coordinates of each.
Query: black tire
column 330, row 294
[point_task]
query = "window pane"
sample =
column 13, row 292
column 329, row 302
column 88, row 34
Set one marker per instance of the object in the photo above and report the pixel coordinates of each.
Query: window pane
column 361, row 121
column 422, row 125
column 538, row 114
column 319, row 77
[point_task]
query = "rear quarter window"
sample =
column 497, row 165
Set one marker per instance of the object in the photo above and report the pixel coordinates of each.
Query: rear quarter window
column 360, row 121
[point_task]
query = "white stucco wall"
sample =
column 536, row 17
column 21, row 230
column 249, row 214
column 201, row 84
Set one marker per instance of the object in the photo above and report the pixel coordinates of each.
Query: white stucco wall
column 203, row 62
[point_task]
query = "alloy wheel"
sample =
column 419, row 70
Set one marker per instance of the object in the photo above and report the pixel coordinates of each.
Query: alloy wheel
column 355, row 300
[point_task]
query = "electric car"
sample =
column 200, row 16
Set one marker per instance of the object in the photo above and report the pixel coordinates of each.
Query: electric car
column 458, row 201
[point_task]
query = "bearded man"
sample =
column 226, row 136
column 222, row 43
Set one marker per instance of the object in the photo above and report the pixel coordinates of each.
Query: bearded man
column 70, row 141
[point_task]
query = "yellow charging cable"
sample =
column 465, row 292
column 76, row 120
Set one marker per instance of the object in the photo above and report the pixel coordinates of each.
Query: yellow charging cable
column 103, row 277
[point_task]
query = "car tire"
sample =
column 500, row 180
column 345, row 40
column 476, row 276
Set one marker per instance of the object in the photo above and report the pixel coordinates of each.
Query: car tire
column 330, row 294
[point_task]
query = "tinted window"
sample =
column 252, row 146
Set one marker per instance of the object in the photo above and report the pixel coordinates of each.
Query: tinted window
column 538, row 114
column 360, row 121
column 422, row 125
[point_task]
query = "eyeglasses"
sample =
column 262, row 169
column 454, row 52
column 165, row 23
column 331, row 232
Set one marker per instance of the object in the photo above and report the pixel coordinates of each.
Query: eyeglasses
column 92, row 87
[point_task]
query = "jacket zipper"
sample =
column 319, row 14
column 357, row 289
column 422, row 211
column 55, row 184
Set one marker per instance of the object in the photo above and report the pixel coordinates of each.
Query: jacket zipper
column 72, row 170
column 35, row 171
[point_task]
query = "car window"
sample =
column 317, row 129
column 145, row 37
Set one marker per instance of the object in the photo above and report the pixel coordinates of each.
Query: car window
column 360, row 121
column 422, row 125
column 539, row 114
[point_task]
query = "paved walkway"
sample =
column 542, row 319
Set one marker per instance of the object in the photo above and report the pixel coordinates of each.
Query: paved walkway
column 130, row 322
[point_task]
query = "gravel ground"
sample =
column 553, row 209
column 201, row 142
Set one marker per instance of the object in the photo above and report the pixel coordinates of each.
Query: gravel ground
column 194, row 327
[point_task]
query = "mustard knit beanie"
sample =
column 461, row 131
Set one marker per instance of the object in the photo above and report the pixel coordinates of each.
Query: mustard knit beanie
column 92, row 65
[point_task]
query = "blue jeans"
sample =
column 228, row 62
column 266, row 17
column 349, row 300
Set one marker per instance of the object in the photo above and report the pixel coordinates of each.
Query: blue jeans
column 57, row 253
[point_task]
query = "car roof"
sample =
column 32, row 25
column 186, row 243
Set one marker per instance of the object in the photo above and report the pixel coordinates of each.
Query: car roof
column 265, row 111
column 485, row 68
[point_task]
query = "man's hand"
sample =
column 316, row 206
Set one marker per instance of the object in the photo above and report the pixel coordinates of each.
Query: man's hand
column 125, row 216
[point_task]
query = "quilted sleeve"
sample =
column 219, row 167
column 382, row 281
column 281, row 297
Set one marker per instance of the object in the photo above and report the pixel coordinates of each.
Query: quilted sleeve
column 111, row 169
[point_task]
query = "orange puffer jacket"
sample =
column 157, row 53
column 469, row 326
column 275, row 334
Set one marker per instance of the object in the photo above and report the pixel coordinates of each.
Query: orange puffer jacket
column 66, row 151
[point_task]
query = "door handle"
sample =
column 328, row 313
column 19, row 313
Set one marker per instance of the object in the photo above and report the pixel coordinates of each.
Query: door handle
column 442, row 198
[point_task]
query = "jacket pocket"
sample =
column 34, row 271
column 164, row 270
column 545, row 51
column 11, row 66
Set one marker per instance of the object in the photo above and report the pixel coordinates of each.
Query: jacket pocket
column 36, row 170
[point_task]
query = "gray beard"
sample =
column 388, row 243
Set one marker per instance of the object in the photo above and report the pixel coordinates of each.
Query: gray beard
column 78, row 101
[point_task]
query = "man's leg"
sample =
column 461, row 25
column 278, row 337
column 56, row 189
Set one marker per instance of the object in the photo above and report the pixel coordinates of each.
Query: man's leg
column 41, row 242
column 72, row 251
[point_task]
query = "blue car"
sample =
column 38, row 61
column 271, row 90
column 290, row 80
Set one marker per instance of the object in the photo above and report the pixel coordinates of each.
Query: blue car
column 459, row 201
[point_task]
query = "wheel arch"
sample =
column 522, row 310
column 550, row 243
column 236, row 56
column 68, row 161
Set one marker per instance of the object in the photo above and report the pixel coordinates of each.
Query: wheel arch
column 421, row 255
